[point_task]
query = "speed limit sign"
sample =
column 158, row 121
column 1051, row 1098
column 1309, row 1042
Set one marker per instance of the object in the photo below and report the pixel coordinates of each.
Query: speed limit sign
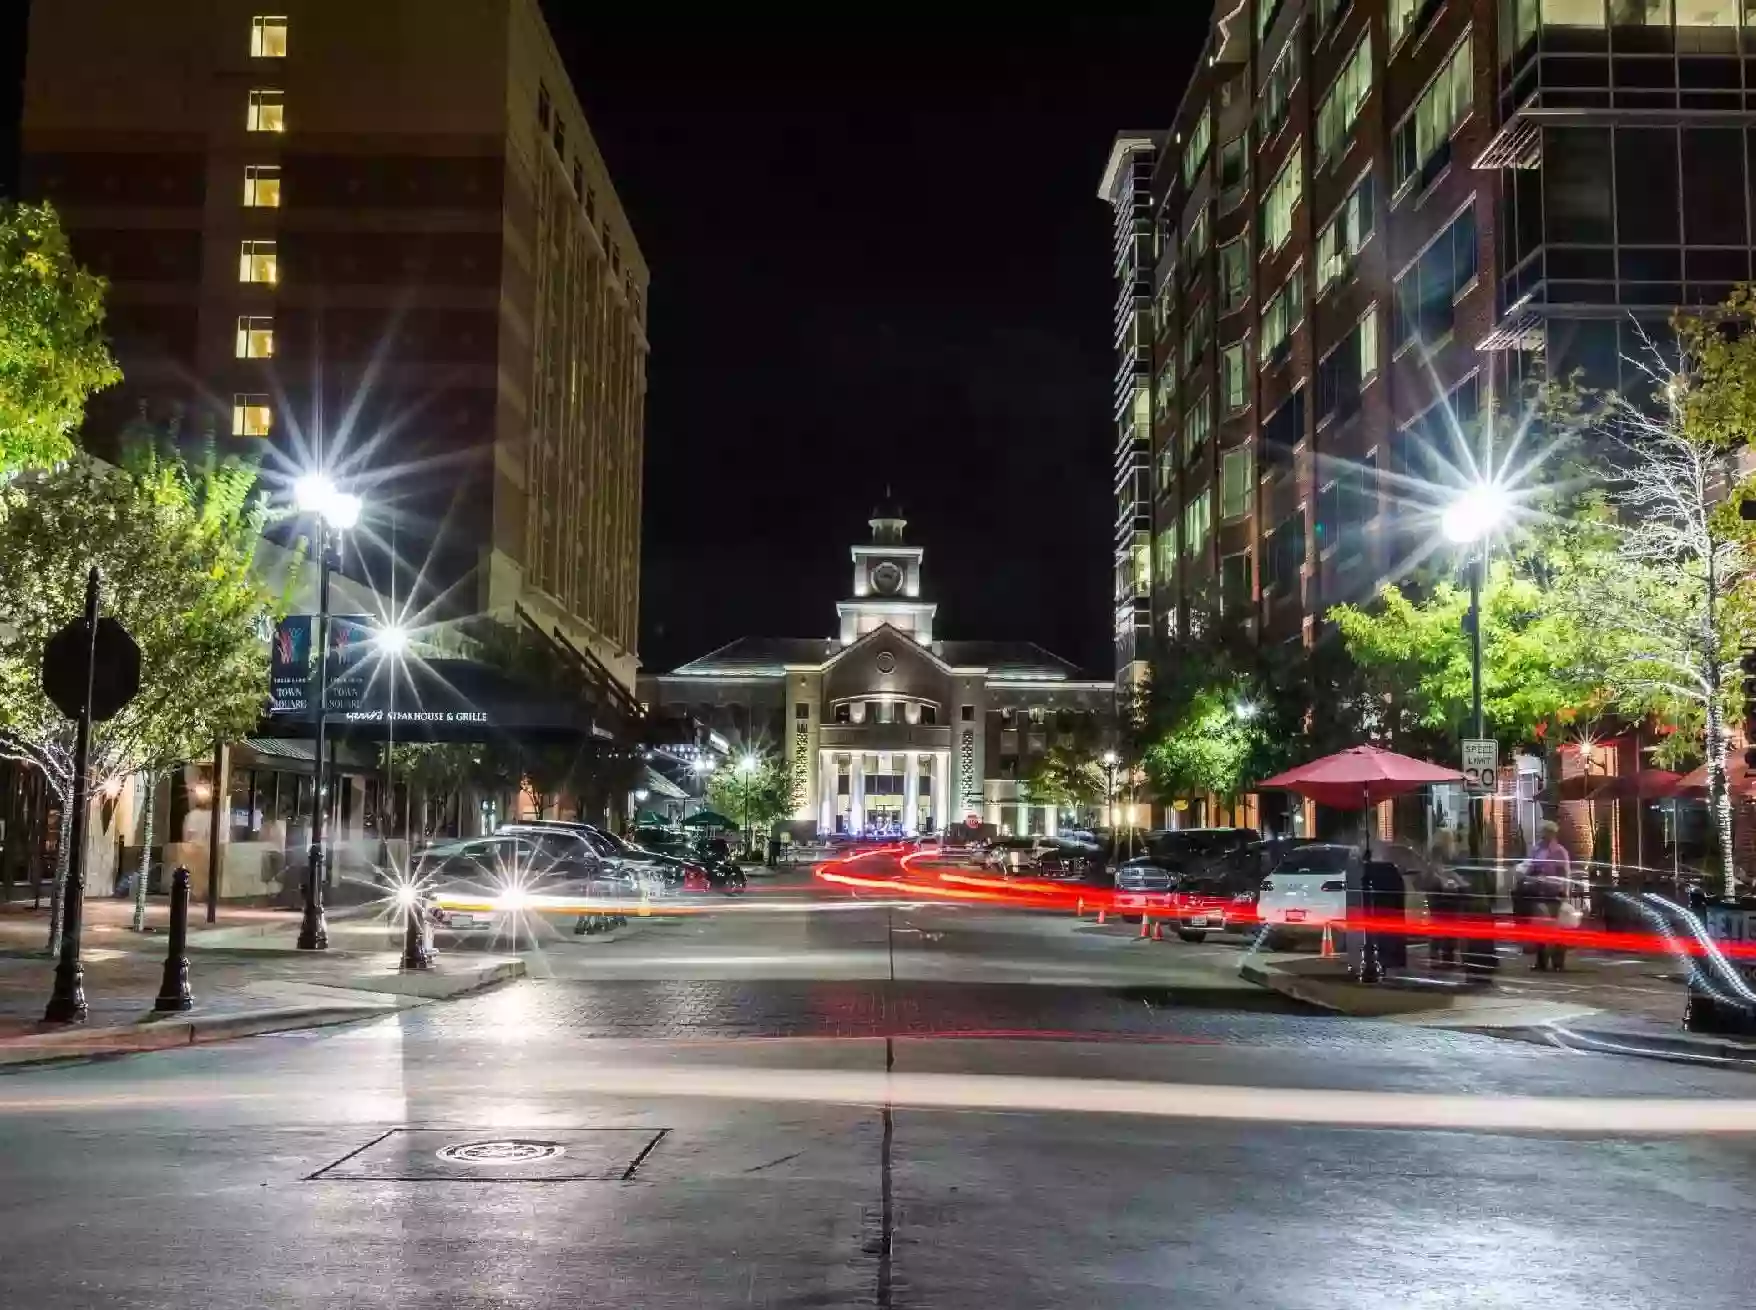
column 1481, row 764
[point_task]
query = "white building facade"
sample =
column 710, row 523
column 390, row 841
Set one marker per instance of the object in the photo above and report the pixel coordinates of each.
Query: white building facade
column 886, row 728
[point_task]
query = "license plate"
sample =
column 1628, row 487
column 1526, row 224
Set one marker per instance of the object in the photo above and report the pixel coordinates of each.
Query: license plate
column 1198, row 921
column 1295, row 916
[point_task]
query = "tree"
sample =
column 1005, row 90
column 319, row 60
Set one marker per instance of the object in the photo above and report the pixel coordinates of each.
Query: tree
column 1068, row 776
column 1537, row 659
column 175, row 546
column 1213, row 745
column 1675, row 602
column 52, row 349
column 440, row 771
column 757, row 797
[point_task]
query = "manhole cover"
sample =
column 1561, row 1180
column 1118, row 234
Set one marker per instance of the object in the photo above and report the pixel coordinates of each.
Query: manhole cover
column 509, row 1150
column 456, row 1155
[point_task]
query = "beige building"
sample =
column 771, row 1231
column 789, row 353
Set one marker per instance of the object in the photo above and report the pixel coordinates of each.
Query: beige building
column 376, row 235
column 885, row 726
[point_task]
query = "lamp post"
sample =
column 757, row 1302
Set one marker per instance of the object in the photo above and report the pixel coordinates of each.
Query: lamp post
column 1469, row 520
column 1110, row 761
column 336, row 512
column 746, row 766
column 392, row 642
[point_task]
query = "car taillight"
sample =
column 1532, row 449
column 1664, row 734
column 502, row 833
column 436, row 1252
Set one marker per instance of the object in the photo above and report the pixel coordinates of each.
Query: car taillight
column 1333, row 887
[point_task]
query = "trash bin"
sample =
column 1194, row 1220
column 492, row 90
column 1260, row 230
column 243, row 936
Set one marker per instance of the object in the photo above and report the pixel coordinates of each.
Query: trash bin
column 1384, row 896
column 1478, row 955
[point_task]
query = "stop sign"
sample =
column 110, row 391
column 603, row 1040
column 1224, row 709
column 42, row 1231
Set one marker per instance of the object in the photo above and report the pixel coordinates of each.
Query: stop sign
column 115, row 671
column 972, row 820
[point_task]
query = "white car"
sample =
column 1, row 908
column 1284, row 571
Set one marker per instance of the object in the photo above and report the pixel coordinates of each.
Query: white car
column 1307, row 890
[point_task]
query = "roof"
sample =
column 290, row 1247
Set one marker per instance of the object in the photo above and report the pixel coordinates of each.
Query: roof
column 1015, row 659
column 1125, row 146
column 751, row 655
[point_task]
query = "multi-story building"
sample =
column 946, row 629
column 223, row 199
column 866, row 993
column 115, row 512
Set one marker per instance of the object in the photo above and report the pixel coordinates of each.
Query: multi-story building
column 1127, row 185
column 1374, row 219
column 886, row 726
column 378, row 237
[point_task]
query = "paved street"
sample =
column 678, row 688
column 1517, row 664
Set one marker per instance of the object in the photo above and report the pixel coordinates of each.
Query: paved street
column 864, row 1105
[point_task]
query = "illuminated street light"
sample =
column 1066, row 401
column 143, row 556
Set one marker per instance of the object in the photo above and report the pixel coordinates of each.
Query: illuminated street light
column 1476, row 513
column 316, row 493
column 391, row 639
column 747, row 765
column 1245, row 710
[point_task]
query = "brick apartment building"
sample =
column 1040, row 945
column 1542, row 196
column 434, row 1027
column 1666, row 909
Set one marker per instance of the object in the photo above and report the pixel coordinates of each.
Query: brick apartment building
column 1369, row 220
column 380, row 235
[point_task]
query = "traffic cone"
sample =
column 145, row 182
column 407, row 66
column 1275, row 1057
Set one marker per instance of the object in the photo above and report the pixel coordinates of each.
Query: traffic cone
column 1079, row 910
column 1328, row 951
column 1158, row 930
column 1145, row 926
column 1100, row 916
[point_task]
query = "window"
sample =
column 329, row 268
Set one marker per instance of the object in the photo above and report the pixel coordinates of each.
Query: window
column 1195, row 242
column 1427, row 291
column 251, row 416
column 1284, row 431
column 966, row 713
column 1345, row 369
column 1234, row 381
column 1234, row 164
column 1167, row 555
column 1234, row 274
column 256, row 262
column 1280, row 201
column 1164, row 307
column 1429, row 447
column 1234, row 483
column 1341, row 107
column 262, row 186
column 1195, row 153
column 1401, row 17
column 802, row 711
column 255, row 338
column 1265, row 15
column 1344, row 506
column 1340, row 241
column 1141, row 565
column 268, row 37
column 1573, row 13
column 1167, row 465
column 1164, row 388
column 844, row 713
column 543, row 106
column 1197, row 522
column 267, row 112
column 1284, row 313
column 1195, row 335
column 1197, row 426
column 1234, row 583
column 929, row 715
column 1277, row 93
column 1286, row 554
column 1422, row 147
column 1640, row 13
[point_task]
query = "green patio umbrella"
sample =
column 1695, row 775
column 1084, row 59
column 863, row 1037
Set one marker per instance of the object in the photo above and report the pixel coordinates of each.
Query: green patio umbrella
column 708, row 819
column 647, row 819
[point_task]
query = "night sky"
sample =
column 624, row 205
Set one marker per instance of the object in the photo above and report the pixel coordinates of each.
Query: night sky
column 878, row 257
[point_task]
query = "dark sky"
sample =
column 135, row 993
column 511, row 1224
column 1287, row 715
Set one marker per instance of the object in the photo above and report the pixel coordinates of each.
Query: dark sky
column 878, row 258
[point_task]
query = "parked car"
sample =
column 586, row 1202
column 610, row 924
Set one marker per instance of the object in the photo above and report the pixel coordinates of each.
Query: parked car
column 1306, row 890
column 479, row 884
column 644, row 874
column 1043, row 857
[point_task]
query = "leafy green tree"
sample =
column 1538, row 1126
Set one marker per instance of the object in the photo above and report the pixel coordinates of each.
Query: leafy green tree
column 755, row 798
column 1069, row 776
column 52, row 349
column 440, row 771
column 1214, row 744
column 175, row 546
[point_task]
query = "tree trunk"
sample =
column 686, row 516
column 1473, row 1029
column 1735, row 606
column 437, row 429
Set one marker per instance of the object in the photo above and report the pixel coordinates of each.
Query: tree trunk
column 1719, row 795
column 144, row 874
column 58, row 887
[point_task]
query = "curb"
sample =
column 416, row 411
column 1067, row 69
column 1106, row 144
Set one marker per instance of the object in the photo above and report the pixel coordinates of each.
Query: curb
column 1710, row 1051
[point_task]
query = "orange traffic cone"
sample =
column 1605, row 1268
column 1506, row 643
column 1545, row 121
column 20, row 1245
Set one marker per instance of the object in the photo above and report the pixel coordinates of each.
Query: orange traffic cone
column 1328, row 951
column 1080, row 908
column 1100, row 916
column 1145, row 926
column 1158, row 930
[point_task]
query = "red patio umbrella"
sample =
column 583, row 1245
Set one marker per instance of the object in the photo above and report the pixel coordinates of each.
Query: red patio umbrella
column 1694, row 783
column 1648, row 784
column 1357, row 778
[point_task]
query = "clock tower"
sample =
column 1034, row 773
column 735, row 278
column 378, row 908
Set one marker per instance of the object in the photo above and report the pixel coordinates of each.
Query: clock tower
column 887, row 583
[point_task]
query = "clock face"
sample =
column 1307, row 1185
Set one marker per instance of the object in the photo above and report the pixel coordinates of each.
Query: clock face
column 886, row 579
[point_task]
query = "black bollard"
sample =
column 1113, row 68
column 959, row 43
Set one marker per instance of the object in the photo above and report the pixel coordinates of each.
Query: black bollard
column 416, row 954
column 174, row 986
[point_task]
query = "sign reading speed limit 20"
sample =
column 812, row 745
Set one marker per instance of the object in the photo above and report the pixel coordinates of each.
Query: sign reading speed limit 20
column 1481, row 764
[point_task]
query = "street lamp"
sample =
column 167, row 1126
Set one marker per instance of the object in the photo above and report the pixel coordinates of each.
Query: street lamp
column 747, row 765
column 1110, row 761
column 391, row 641
column 1471, row 518
column 336, row 511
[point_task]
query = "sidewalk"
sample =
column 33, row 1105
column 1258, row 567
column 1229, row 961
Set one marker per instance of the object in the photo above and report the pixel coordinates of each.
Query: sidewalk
column 1606, row 1001
column 245, row 972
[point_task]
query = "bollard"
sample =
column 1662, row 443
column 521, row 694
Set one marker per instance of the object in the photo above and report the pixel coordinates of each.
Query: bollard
column 174, row 986
column 416, row 954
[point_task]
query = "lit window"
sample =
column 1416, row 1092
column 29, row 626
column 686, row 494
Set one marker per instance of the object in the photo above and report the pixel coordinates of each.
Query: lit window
column 1234, row 274
column 1234, row 381
column 1234, row 483
column 256, row 338
column 1341, row 239
column 251, row 416
column 1428, row 289
column 1197, row 520
column 1573, row 13
column 256, row 262
column 262, row 186
column 1423, row 140
column 1335, row 117
column 1197, row 424
column 1200, row 141
column 1167, row 556
column 1282, row 198
column 267, row 112
column 268, row 37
